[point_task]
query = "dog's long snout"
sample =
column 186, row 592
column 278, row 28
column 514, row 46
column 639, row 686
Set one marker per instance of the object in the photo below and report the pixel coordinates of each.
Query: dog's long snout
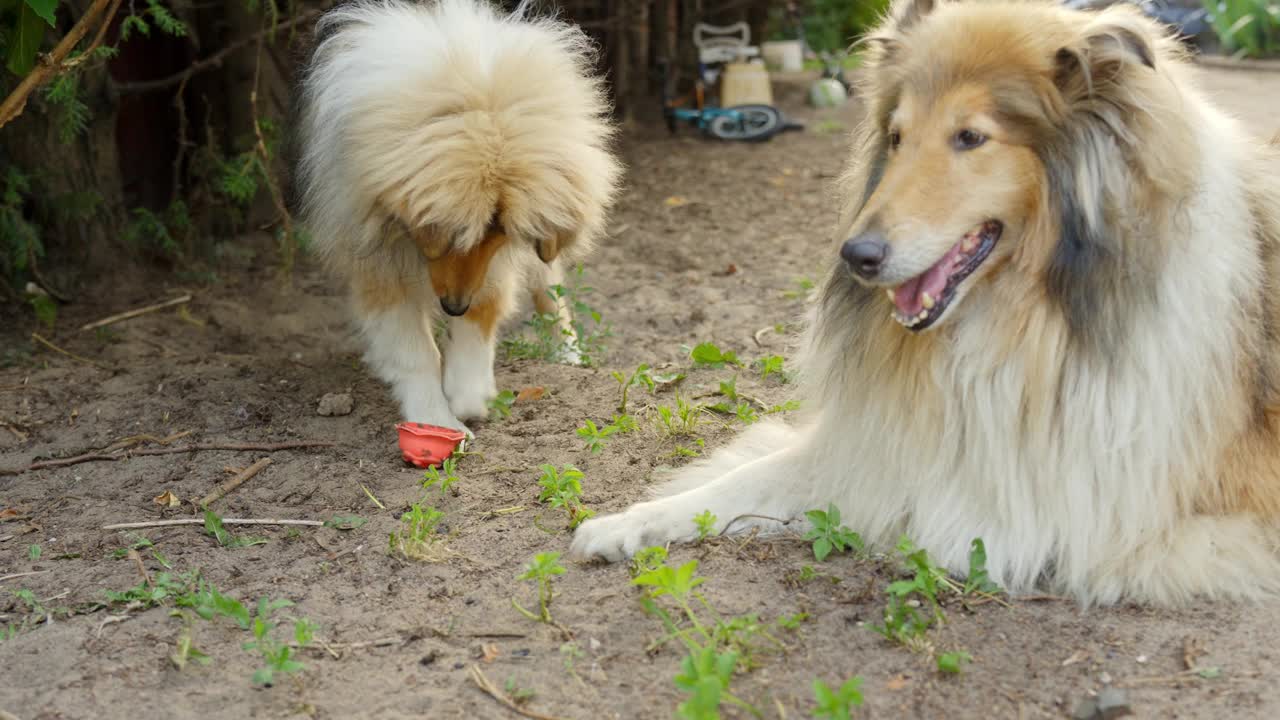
column 865, row 253
column 455, row 307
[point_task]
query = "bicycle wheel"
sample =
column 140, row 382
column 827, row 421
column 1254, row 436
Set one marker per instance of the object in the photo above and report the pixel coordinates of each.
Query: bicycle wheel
column 750, row 123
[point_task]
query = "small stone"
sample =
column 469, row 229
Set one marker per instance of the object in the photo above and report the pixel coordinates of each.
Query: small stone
column 1142, row 659
column 913, row 603
column 335, row 404
column 1104, row 677
column 1113, row 703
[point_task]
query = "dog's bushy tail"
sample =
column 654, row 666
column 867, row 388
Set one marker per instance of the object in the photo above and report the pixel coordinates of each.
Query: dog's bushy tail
column 757, row 441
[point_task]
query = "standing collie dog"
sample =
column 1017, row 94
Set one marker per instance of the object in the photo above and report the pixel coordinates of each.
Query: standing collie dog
column 450, row 154
column 1052, row 323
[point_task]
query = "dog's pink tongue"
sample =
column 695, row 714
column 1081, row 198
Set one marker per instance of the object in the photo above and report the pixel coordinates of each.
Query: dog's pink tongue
column 909, row 295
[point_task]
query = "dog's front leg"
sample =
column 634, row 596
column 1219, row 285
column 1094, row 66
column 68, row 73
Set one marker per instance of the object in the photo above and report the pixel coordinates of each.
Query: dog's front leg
column 468, row 359
column 766, row 487
column 401, row 350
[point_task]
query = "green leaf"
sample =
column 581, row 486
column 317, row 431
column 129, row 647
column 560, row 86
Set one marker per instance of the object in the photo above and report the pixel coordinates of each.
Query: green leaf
column 44, row 9
column 821, row 549
column 345, row 522
column 953, row 662
column 24, row 40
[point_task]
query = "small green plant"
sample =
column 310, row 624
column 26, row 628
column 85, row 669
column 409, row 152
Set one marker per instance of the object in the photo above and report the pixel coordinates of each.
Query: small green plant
column 214, row 528
column 706, row 524
column 345, row 522
column 681, row 421
column 139, row 542
column 708, row 354
column 551, row 342
column 837, row 704
column 34, row 552
column 978, row 580
column 624, row 423
column 639, row 375
column 417, row 537
column 277, row 656
column 518, row 695
column 442, row 477
column 541, row 570
column 828, row 534
column 500, row 406
column 704, row 676
column 804, row 286
column 185, row 650
column 562, row 488
column 180, row 589
column 698, row 446
column 771, row 365
column 953, row 663
column 594, row 437
column 1246, row 27
column 648, row 560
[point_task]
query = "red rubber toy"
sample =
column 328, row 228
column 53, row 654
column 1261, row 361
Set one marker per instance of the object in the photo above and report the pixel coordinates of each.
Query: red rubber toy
column 423, row 445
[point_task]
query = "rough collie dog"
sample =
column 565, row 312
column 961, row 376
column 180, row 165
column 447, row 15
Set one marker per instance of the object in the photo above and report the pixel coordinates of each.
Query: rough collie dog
column 1051, row 323
column 448, row 156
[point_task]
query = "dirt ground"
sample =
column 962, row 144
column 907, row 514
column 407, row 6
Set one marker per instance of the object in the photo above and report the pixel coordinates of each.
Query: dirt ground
column 248, row 363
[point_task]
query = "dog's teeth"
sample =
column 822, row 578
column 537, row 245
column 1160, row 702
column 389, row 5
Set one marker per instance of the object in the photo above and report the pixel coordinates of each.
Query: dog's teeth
column 970, row 242
column 923, row 314
column 889, row 292
column 927, row 300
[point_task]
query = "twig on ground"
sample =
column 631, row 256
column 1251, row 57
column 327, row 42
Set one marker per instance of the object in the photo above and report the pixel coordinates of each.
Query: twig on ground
column 96, row 456
column 99, row 13
column 234, row 483
column 110, row 620
column 142, row 569
column 112, row 319
column 40, row 339
column 375, row 500
column 194, row 521
column 478, row 677
column 138, row 439
column 14, row 429
column 15, row 576
column 756, row 335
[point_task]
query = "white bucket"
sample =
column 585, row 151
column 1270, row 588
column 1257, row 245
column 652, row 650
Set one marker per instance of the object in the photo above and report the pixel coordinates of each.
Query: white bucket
column 784, row 55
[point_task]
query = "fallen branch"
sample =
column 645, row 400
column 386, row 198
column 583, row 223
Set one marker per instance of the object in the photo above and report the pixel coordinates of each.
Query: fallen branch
column 194, row 521
column 49, row 65
column 40, row 339
column 234, row 482
column 97, row 456
column 135, row 313
column 478, row 677
column 22, row 574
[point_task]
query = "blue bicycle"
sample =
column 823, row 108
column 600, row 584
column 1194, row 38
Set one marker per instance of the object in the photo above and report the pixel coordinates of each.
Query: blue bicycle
column 745, row 123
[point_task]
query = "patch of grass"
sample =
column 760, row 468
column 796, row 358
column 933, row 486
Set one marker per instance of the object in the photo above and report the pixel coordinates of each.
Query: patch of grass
column 562, row 488
column 541, row 570
column 34, row 552
column 837, row 704
column 418, row 536
column 277, row 656
column 550, row 342
column 828, row 534
column 681, row 421
column 771, row 365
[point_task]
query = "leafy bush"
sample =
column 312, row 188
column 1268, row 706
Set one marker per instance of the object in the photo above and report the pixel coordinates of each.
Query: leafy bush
column 829, row 25
column 1246, row 27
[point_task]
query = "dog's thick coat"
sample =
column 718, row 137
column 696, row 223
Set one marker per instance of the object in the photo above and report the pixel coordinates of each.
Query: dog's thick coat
column 445, row 149
column 1098, row 400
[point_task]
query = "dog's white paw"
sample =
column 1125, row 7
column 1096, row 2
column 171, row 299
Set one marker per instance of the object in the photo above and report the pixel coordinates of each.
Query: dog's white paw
column 469, row 390
column 617, row 537
column 440, row 417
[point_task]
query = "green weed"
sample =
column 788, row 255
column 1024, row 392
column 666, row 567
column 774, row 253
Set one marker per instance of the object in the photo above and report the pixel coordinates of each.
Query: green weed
column 562, row 488
column 417, row 538
column 34, row 552
column 837, row 704
column 500, row 406
column 594, row 437
column 828, row 534
column 214, row 528
column 681, row 421
column 277, row 656
column 708, row 354
column 706, row 523
column 541, row 570
column 550, row 342
column 442, row 477
column 953, row 662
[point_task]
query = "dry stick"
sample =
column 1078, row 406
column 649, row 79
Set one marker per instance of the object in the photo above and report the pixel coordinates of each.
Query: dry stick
column 214, row 60
column 96, row 456
column 193, row 521
column 135, row 313
column 234, row 482
column 52, row 63
column 482, row 682
column 23, row 574
column 40, row 339
column 139, row 439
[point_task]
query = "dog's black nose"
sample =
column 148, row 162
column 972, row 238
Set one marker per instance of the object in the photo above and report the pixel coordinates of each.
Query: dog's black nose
column 865, row 253
column 456, row 308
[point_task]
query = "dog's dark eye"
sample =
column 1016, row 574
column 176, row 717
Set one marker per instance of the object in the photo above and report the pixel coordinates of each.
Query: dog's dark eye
column 967, row 139
column 895, row 139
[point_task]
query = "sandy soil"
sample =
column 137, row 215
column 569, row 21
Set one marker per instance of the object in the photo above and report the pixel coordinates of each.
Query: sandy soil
column 249, row 363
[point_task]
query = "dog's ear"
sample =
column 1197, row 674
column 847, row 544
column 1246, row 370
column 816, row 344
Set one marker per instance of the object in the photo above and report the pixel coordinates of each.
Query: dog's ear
column 886, row 39
column 1097, row 62
column 905, row 13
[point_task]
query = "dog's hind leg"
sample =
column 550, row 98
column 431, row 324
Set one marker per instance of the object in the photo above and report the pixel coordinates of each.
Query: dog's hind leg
column 545, row 276
column 396, row 325
column 760, row 487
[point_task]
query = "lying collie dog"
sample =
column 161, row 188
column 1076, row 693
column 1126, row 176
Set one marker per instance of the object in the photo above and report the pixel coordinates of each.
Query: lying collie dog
column 1050, row 323
column 449, row 156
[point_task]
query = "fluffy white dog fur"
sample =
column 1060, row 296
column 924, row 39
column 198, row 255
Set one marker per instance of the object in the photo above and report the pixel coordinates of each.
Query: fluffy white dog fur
column 445, row 148
column 1099, row 401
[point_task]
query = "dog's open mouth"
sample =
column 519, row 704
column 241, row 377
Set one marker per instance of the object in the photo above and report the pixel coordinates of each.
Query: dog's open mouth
column 920, row 301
